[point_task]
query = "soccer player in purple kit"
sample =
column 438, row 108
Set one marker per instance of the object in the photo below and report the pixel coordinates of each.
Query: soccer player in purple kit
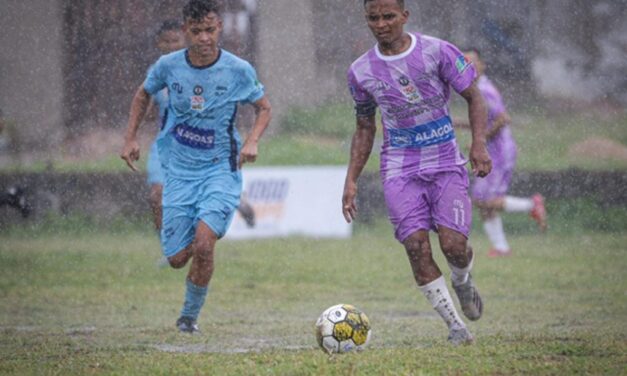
column 408, row 76
column 490, row 194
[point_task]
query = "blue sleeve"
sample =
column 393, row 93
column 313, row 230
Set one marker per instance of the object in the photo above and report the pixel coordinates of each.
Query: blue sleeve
column 155, row 79
column 250, row 88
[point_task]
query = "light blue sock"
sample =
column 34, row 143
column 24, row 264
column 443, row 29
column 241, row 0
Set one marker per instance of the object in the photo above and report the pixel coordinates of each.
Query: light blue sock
column 194, row 299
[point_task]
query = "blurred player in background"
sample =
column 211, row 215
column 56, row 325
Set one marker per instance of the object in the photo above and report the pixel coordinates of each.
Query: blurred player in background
column 425, row 182
column 170, row 38
column 199, row 147
column 490, row 194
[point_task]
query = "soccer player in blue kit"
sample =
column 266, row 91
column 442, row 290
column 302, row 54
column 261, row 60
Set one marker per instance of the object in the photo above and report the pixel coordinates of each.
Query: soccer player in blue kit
column 199, row 147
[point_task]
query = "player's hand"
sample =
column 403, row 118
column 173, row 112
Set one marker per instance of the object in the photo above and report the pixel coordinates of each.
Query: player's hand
column 349, row 209
column 248, row 154
column 130, row 153
column 480, row 159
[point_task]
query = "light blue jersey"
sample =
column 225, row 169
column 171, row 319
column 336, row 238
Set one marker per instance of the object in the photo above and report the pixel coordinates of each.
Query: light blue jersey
column 200, row 129
column 199, row 144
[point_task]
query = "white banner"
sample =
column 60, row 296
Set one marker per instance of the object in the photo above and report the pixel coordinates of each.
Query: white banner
column 304, row 201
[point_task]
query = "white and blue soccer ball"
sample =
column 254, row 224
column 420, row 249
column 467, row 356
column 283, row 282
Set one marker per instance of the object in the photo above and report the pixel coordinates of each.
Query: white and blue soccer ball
column 342, row 328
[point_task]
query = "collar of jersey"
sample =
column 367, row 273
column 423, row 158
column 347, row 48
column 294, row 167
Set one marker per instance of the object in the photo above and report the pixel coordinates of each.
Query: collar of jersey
column 189, row 62
column 399, row 56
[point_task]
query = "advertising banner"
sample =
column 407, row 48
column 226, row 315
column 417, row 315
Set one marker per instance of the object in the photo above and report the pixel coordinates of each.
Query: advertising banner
column 286, row 201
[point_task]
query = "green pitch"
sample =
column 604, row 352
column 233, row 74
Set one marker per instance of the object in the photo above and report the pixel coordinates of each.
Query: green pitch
column 94, row 302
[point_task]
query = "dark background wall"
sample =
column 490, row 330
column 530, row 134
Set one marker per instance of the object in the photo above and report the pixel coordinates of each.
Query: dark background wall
column 107, row 196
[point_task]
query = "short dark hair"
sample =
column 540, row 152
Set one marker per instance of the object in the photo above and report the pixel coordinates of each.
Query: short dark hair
column 169, row 25
column 198, row 9
column 473, row 49
column 401, row 3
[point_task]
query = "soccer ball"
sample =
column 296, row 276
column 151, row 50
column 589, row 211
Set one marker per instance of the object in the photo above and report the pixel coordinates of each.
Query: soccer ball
column 342, row 328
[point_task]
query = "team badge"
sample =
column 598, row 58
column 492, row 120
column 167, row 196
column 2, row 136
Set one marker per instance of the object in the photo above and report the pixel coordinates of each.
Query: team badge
column 403, row 80
column 198, row 90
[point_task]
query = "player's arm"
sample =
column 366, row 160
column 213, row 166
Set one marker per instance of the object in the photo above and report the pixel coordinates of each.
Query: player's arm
column 361, row 147
column 501, row 120
column 478, row 116
column 139, row 106
column 263, row 114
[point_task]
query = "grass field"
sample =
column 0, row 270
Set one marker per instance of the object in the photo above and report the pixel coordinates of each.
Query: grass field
column 322, row 136
column 79, row 301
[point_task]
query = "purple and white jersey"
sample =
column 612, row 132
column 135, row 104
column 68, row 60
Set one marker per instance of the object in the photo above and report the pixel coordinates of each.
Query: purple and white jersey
column 412, row 91
column 502, row 147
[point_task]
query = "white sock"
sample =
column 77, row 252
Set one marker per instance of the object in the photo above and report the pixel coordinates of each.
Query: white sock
column 494, row 230
column 518, row 204
column 437, row 294
column 460, row 275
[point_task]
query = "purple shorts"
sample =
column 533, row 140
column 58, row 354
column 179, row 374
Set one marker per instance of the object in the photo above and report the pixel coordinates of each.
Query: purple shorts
column 495, row 185
column 427, row 200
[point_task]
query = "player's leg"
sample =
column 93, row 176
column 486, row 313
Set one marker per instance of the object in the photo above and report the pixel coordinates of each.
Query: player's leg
column 493, row 228
column 247, row 212
column 409, row 213
column 154, row 198
column 488, row 194
column 452, row 213
column 178, row 221
column 533, row 205
column 198, row 277
column 217, row 198
column 460, row 257
column 431, row 283
column 155, row 179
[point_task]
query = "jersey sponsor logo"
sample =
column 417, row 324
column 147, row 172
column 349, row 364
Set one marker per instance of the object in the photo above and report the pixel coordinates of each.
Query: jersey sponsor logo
column 409, row 90
column 194, row 137
column 374, row 87
column 197, row 102
column 408, row 110
column 220, row 90
column 461, row 63
column 432, row 133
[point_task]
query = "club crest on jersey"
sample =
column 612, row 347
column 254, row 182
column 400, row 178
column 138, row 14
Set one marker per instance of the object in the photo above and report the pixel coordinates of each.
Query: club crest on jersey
column 197, row 102
column 198, row 90
column 403, row 80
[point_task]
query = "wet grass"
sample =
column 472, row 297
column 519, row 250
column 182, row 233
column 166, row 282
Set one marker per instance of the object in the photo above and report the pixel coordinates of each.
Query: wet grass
column 94, row 302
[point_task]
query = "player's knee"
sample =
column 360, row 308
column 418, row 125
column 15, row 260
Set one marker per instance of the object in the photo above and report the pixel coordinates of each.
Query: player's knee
column 155, row 197
column 454, row 245
column 180, row 259
column 177, row 263
column 418, row 246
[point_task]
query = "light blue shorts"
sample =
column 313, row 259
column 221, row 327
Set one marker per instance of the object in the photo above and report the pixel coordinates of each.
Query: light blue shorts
column 212, row 200
column 155, row 171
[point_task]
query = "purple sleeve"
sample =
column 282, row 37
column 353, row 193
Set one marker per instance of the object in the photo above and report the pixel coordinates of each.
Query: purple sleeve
column 454, row 68
column 364, row 103
column 494, row 101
